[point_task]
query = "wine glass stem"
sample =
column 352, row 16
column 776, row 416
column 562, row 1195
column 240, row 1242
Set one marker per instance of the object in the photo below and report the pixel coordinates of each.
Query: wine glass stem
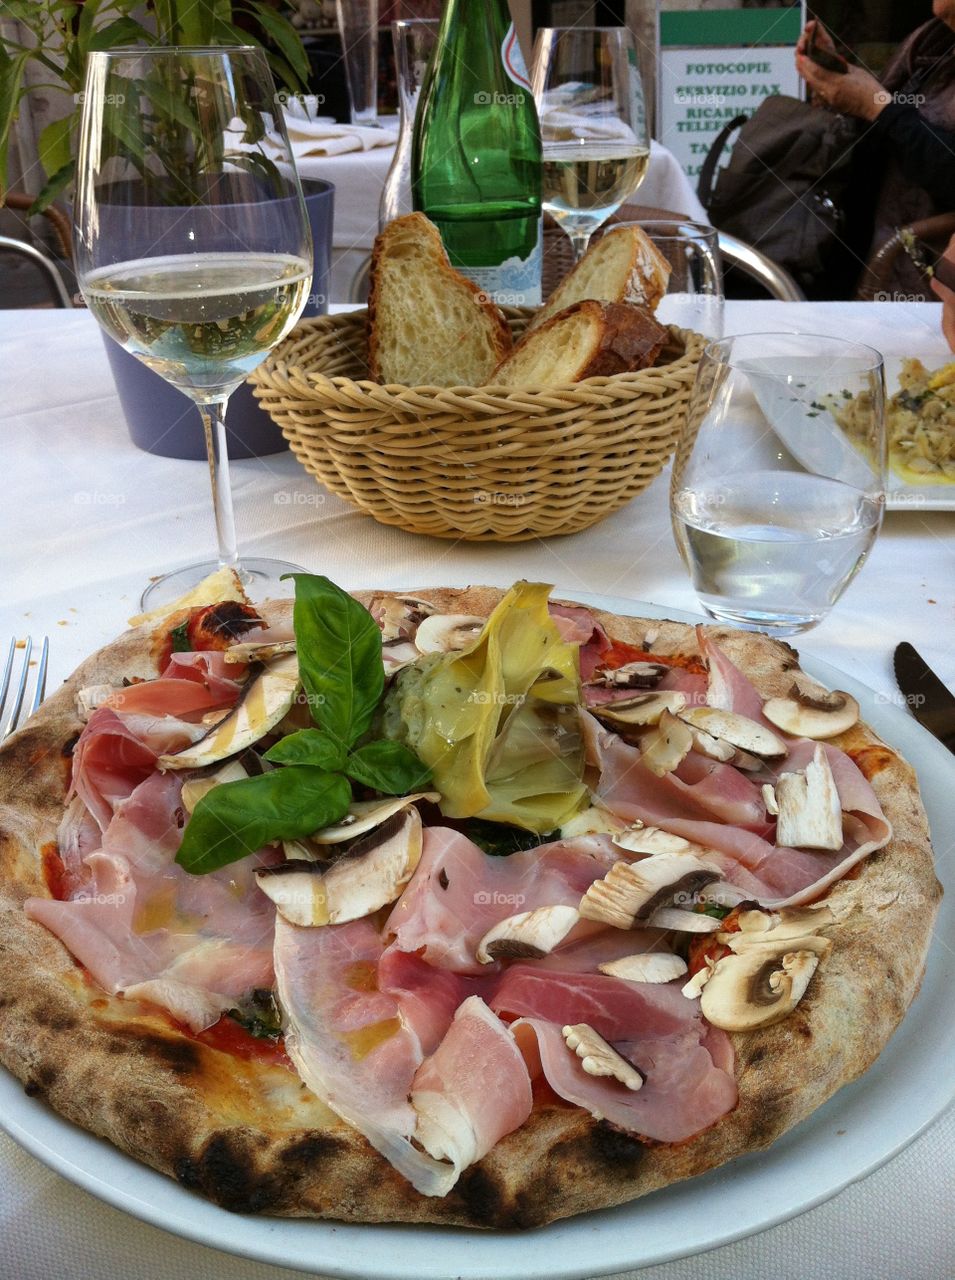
column 213, row 424
column 579, row 241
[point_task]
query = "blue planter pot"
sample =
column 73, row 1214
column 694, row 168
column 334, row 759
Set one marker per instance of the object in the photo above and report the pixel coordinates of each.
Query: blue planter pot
column 163, row 421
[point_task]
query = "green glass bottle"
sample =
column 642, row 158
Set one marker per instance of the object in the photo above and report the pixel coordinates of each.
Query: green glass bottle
column 476, row 153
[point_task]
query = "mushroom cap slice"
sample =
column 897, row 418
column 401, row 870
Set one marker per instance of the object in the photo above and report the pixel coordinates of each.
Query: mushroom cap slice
column 264, row 701
column 632, row 675
column 249, row 651
column 631, row 892
column 813, row 715
column 810, row 812
column 757, row 987
column 641, row 839
column 446, row 632
column 399, row 616
column 598, row 1058
column 365, row 815
column 528, row 935
column 667, row 746
column 650, row 966
column 684, row 921
column 739, row 731
column 643, row 710
column 372, row 874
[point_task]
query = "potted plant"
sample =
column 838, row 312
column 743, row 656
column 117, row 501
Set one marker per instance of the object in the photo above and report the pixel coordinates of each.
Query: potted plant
column 59, row 35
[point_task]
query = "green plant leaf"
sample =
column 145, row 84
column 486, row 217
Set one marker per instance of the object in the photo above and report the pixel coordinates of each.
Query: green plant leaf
column 260, row 167
column 11, row 91
column 339, row 657
column 124, row 30
column 308, row 746
column 54, row 145
column 235, row 819
column 389, row 767
column 286, row 38
column 62, row 179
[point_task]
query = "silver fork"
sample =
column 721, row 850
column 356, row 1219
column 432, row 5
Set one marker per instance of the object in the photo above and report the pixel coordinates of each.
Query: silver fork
column 16, row 683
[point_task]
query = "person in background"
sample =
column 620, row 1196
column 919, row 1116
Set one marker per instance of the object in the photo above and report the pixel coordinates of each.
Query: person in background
column 904, row 160
column 948, row 299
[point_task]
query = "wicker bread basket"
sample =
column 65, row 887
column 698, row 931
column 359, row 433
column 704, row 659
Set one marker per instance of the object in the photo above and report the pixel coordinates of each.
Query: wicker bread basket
column 476, row 463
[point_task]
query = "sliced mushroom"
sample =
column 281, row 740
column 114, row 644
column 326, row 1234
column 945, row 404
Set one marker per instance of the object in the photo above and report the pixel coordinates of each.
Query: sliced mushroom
column 684, row 921
column 365, row 815
column 757, row 987
column 398, row 654
column 651, row 966
column 739, row 731
column 446, row 632
column 592, row 821
column 527, row 936
column 598, row 1058
column 193, row 789
column 758, row 925
column 713, row 748
column 252, row 652
column 667, row 746
column 812, row 715
column 399, row 616
column 632, row 675
column 642, row 711
column 694, row 987
column 263, row 702
column 632, row 891
column 810, row 813
column 371, row 875
column 769, row 799
column 641, row 839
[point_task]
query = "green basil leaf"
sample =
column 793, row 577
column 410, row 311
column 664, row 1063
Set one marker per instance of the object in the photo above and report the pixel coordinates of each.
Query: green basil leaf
column 308, row 746
column 235, row 819
column 389, row 767
column 339, row 657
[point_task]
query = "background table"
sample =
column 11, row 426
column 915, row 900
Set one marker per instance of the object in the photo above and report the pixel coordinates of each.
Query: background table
column 87, row 518
column 359, row 177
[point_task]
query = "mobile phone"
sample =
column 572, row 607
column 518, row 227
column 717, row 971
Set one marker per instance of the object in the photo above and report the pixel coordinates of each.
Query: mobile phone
column 825, row 58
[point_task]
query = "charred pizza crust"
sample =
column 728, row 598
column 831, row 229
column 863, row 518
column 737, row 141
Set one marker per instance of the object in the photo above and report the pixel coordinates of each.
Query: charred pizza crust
column 252, row 1138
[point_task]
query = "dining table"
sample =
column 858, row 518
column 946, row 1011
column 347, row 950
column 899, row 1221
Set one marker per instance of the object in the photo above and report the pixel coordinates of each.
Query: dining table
column 88, row 519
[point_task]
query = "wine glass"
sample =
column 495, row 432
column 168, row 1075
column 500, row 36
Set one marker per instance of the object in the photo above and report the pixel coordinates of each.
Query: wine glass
column 413, row 40
column 595, row 145
column 193, row 251
column 778, row 483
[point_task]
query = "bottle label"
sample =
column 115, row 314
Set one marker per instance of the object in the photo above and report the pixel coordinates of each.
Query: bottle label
column 513, row 59
column 513, row 283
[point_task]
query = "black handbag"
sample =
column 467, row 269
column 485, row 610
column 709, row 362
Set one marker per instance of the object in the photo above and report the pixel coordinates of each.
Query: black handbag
column 784, row 188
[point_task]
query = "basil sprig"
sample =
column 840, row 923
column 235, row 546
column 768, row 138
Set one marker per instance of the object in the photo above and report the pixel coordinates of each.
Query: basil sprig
column 339, row 657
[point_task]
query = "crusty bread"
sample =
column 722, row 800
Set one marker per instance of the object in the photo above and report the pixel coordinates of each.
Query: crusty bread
column 427, row 324
column 587, row 340
column 622, row 266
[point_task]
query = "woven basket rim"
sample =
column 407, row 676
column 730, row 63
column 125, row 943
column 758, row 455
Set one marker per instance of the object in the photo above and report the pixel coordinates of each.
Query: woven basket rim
column 624, row 381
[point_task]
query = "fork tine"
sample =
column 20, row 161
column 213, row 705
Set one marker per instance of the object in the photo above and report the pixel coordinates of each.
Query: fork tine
column 20, row 691
column 8, row 667
column 40, row 691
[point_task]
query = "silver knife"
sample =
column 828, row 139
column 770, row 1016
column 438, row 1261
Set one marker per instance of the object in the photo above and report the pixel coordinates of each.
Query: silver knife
column 930, row 701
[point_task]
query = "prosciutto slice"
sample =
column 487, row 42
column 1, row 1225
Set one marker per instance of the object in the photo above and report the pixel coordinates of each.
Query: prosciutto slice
column 109, row 762
column 458, row 892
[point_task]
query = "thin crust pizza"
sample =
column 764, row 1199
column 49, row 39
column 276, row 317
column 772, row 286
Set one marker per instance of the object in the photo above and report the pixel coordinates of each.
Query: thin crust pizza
column 466, row 907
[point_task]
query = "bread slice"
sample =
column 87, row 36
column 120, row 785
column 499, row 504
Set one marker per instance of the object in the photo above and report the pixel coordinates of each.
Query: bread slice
column 427, row 324
column 587, row 340
column 624, row 265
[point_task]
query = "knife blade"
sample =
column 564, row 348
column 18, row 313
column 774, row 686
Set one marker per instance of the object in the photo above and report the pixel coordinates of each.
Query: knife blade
column 931, row 702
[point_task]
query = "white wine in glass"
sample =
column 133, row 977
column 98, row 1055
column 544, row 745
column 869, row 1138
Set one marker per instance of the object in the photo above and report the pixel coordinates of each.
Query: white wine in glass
column 193, row 249
column 596, row 149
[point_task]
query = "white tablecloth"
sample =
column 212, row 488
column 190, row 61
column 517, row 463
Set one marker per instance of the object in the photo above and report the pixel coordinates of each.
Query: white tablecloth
column 87, row 518
column 359, row 177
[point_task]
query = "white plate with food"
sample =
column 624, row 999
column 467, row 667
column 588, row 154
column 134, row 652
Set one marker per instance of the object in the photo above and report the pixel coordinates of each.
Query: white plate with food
column 861, row 1127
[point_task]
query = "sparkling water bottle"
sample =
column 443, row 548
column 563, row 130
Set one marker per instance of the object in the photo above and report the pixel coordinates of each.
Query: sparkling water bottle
column 476, row 154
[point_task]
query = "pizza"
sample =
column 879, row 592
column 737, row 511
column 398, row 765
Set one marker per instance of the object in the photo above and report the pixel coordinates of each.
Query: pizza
column 464, row 907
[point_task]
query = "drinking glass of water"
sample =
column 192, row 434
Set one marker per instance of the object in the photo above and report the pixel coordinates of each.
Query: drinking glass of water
column 775, row 503
column 193, row 250
column 694, row 296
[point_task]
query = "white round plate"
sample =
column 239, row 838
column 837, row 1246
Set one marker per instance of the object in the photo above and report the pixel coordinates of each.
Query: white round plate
column 862, row 1127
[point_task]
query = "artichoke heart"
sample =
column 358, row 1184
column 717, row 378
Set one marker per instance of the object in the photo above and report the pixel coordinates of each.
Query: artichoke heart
column 497, row 722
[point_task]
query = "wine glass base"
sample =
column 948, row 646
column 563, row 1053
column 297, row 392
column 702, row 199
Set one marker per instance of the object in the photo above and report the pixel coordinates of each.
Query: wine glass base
column 260, row 576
